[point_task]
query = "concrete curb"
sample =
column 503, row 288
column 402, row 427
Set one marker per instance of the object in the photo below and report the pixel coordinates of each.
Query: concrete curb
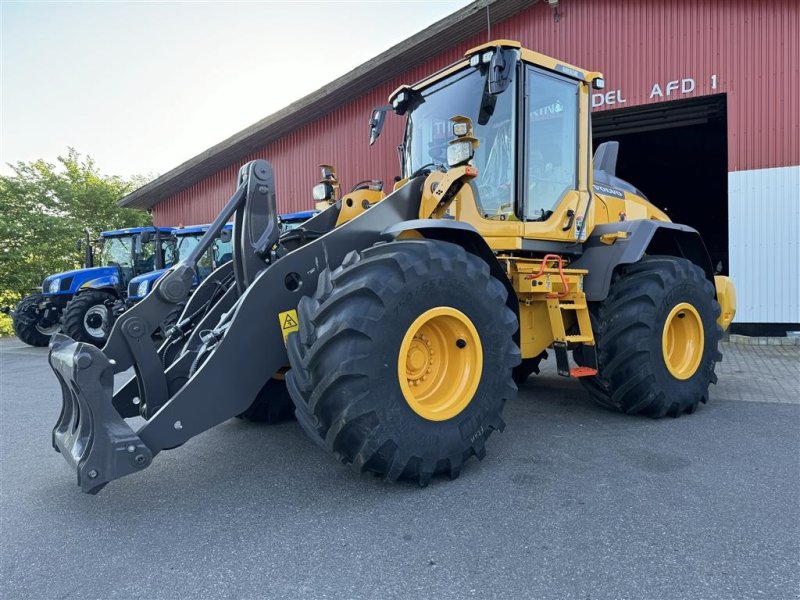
column 746, row 340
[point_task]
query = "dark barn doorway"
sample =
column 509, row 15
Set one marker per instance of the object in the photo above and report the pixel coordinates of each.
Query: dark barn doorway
column 677, row 153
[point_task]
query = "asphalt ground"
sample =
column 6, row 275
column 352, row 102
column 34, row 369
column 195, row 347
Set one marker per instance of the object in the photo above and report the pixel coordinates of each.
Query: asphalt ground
column 572, row 501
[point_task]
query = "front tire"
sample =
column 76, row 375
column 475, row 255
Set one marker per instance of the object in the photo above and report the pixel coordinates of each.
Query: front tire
column 88, row 318
column 27, row 322
column 657, row 339
column 402, row 363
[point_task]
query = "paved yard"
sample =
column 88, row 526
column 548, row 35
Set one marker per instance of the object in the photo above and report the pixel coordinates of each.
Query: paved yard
column 571, row 502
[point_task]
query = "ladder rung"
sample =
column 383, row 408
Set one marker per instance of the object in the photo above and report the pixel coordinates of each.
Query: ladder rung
column 571, row 306
column 579, row 338
column 582, row 372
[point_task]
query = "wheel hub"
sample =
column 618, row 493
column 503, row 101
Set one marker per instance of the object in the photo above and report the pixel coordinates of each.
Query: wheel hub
column 682, row 341
column 440, row 363
column 95, row 321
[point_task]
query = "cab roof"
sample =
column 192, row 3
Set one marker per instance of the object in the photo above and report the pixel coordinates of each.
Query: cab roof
column 133, row 231
column 186, row 230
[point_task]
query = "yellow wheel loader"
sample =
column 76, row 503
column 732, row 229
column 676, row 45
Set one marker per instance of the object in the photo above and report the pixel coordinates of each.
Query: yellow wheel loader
column 399, row 326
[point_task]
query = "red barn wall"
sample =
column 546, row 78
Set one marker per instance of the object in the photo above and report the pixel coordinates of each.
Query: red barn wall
column 748, row 50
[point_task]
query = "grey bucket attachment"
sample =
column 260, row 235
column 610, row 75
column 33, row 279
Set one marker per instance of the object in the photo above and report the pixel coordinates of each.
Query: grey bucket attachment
column 91, row 435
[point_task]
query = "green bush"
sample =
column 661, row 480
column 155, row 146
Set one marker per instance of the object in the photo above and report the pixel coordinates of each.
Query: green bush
column 44, row 209
column 7, row 299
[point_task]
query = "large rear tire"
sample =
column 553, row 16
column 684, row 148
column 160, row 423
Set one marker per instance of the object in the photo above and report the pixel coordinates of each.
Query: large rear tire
column 657, row 339
column 88, row 318
column 272, row 405
column 402, row 363
column 27, row 322
column 528, row 367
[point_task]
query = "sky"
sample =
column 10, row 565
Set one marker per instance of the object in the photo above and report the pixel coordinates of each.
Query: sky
column 143, row 86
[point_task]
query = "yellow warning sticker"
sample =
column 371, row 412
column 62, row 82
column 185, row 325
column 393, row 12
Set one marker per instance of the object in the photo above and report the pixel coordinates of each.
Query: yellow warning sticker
column 288, row 321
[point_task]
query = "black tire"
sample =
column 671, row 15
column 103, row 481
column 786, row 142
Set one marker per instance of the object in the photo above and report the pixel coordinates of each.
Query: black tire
column 272, row 405
column 82, row 326
column 633, row 376
column 528, row 367
column 26, row 322
column 344, row 359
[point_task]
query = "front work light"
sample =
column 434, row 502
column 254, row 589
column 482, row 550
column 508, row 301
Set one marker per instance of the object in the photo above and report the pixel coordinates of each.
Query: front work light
column 322, row 191
column 459, row 152
column 54, row 285
column 461, row 148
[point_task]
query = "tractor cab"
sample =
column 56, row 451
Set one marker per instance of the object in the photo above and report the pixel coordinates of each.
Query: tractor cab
column 137, row 250
column 186, row 239
column 291, row 221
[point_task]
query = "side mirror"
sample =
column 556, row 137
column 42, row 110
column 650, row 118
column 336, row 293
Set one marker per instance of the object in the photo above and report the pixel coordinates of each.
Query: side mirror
column 376, row 120
column 225, row 236
column 501, row 68
column 145, row 237
column 79, row 245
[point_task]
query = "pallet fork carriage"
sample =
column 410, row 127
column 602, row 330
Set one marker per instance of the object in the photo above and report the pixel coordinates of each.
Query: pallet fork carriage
column 398, row 325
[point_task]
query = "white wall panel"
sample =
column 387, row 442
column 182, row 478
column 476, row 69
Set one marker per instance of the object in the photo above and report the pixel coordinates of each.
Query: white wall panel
column 764, row 237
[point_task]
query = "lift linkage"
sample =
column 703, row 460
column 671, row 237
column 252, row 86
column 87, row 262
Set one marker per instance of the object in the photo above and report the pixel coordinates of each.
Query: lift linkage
column 185, row 387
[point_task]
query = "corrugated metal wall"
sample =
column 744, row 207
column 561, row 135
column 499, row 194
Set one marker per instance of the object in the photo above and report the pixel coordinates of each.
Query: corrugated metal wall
column 764, row 228
column 746, row 49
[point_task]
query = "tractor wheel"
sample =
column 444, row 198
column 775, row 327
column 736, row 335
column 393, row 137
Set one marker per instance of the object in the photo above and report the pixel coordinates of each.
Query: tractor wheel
column 272, row 405
column 28, row 325
column 87, row 317
column 657, row 339
column 528, row 367
column 402, row 363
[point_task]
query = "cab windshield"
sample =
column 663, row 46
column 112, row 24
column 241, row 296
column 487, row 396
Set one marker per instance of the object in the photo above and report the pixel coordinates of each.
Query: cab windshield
column 187, row 243
column 428, row 131
column 116, row 252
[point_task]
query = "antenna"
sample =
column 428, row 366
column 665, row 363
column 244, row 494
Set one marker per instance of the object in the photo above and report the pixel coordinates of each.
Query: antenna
column 488, row 25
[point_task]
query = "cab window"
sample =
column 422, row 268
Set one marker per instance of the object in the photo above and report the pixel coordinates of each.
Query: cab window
column 551, row 142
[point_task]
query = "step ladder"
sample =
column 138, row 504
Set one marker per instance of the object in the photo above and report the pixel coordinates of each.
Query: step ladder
column 546, row 280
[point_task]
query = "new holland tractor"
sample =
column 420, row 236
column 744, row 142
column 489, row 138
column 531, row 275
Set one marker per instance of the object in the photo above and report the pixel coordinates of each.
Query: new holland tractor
column 220, row 252
column 80, row 302
column 186, row 239
column 399, row 327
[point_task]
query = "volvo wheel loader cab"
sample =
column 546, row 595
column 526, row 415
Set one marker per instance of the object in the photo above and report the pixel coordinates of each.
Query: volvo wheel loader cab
column 80, row 301
column 400, row 326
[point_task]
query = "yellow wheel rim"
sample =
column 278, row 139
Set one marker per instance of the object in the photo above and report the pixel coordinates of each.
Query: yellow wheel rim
column 682, row 341
column 440, row 362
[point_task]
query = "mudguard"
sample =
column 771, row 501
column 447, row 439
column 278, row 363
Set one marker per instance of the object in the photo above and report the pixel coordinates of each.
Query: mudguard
column 640, row 237
column 466, row 236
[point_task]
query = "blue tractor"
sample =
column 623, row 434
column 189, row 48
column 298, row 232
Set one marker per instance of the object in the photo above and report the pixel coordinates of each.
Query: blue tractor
column 219, row 253
column 81, row 302
column 186, row 239
column 291, row 221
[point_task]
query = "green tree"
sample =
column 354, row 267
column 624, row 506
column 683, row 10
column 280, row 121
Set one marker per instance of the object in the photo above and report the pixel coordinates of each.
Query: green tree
column 44, row 209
